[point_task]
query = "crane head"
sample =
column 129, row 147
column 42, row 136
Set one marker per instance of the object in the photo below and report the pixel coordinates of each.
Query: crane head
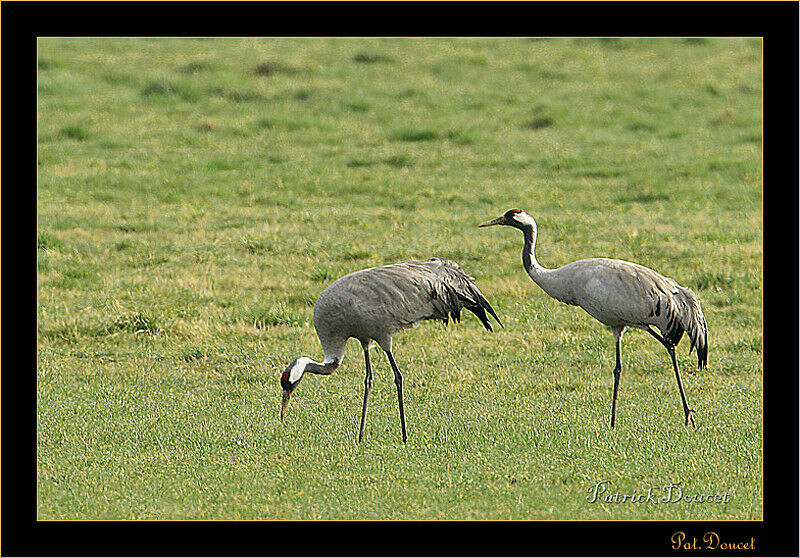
column 290, row 378
column 512, row 218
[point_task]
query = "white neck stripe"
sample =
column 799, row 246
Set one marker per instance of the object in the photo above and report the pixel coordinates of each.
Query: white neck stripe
column 297, row 370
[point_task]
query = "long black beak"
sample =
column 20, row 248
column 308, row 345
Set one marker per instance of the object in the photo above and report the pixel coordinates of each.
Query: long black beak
column 499, row 221
column 285, row 402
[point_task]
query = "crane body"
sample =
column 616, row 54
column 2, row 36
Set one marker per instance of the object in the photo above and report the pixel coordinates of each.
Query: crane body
column 619, row 294
column 373, row 304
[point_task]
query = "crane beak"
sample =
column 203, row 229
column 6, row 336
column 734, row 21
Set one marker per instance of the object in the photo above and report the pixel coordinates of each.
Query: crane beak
column 285, row 402
column 499, row 221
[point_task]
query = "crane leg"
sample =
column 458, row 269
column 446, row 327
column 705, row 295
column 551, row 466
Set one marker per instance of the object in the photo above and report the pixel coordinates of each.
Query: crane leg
column 367, row 389
column 617, row 371
column 671, row 349
column 398, row 381
column 686, row 410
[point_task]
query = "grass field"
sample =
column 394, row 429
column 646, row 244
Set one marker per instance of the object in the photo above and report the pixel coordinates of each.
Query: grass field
column 196, row 196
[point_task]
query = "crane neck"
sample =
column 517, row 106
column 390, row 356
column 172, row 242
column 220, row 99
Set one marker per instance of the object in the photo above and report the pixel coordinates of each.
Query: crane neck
column 323, row 368
column 529, row 261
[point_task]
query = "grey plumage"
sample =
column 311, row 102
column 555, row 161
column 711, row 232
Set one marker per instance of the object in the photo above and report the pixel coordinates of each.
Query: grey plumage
column 373, row 304
column 619, row 294
column 624, row 294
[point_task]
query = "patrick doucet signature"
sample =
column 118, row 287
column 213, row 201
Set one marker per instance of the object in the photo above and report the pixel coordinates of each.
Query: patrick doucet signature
column 670, row 493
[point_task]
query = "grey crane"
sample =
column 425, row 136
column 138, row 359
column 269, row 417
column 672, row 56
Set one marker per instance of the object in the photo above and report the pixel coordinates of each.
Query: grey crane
column 619, row 294
column 373, row 304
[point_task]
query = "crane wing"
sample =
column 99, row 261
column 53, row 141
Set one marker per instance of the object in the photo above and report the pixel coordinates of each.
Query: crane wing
column 457, row 290
column 683, row 314
column 674, row 309
column 436, row 289
column 620, row 293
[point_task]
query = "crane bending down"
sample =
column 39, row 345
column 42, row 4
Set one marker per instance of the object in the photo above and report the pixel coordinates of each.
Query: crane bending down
column 373, row 304
column 619, row 294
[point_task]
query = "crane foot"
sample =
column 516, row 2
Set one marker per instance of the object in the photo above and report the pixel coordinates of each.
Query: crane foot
column 690, row 417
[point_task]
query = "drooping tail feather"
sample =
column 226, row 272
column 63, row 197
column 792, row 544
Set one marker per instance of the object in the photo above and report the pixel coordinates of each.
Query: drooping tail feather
column 691, row 320
column 481, row 308
column 461, row 291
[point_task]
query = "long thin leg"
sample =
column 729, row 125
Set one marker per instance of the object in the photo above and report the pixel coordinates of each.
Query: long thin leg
column 398, row 381
column 686, row 410
column 617, row 370
column 367, row 389
column 657, row 336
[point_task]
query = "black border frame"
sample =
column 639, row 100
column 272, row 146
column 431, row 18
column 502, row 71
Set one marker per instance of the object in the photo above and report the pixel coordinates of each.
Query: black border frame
column 23, row 22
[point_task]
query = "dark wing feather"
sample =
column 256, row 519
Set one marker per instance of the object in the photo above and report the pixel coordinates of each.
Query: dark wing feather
column 680, row 312
column 455, row 290
column 694, row 323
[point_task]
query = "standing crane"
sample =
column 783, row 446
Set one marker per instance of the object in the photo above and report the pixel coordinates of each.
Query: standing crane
column 373, row 304
column 619, row 294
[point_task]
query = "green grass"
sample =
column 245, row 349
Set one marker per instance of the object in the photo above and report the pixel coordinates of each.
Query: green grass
column 196, row 196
